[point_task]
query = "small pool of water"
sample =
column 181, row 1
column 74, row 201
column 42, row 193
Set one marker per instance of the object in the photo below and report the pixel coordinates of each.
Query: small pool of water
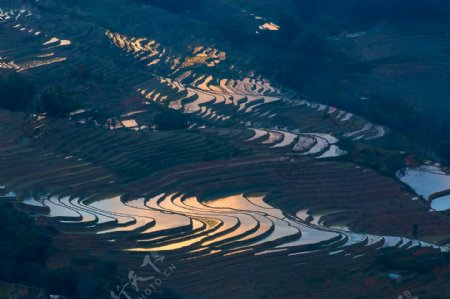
column 426, row 180
column 441, row 203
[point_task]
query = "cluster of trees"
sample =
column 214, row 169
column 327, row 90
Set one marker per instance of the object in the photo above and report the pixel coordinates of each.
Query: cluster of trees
column 424, row 264
column 18, row 93
column 169, row 119
column 441, row 140
column 423, row 134
column 383, row 161
column 59, row 103
column 24, row 247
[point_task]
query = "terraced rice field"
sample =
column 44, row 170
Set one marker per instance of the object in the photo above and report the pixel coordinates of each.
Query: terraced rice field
column 158, row 74
column 50, row 50
column 124, row 199
column 216, row 101
column 221, row 225
column 248, row 202
column 430, row 182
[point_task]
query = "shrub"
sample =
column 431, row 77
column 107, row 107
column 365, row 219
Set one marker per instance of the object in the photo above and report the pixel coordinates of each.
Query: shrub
column 170, row 119
column 16, row 93
column 59, row 103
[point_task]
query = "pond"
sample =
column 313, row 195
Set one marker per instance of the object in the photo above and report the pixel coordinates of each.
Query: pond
column 426, row 180
column 441, row 203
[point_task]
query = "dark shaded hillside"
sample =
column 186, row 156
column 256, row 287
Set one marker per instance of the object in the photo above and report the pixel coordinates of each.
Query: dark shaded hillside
column 25, row 247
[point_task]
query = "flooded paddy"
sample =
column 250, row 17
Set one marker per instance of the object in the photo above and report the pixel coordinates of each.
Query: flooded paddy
column 175, row 222
column 441, row 203
column 426, row 179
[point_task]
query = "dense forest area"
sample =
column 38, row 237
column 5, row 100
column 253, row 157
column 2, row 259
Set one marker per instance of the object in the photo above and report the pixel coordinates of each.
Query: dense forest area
column 18, row 93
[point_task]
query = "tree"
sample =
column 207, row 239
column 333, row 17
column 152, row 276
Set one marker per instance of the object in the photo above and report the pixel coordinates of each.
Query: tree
column 59, row 103
column 16, row 93
column 170, row 119
column 415, row 230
